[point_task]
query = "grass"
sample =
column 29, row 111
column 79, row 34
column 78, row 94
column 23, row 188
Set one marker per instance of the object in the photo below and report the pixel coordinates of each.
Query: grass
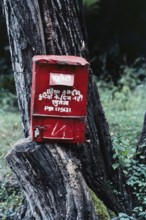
column 10, row 132
column 124, row 110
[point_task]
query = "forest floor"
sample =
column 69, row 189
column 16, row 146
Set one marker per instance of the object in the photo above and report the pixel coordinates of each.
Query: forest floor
column 124, row 109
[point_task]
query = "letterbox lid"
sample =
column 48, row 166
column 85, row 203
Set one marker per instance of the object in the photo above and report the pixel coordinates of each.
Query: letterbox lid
column 63, row 60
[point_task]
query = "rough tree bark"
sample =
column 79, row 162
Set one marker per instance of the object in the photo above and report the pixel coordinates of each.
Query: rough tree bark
column 55, row 177
column 141, row 150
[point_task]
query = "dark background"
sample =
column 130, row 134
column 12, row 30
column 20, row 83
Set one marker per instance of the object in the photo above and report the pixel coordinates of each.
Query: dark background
column 116, row 38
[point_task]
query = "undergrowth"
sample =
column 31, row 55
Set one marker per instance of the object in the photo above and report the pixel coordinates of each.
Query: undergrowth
column 124, row 106
column 10, row 132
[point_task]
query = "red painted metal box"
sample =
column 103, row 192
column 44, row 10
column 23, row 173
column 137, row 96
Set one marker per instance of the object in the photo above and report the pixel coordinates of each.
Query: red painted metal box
column 59, row 98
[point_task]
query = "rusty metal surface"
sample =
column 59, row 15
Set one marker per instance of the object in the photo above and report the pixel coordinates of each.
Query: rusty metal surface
column 59, row 98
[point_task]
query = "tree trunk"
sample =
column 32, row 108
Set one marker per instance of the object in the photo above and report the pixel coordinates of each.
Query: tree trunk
column 51, row 181
column 54, row 177
column 26, row 39
column 141, row 150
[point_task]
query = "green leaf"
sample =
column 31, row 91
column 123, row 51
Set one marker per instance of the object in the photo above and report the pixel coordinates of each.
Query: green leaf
column 115, row 165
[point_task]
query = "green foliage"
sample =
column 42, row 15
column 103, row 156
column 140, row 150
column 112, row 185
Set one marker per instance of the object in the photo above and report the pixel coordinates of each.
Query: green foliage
column 10, row 132
column 8, row 100
column 133, row 76
column 136, row 179
column 123, row 216
column 116, row 36
column 124, row 111
column 10, row 198
column 123, row 153
column 89, row 2
column 5, row 66
column 100, row 207
column 7, row 83
column 124, row 106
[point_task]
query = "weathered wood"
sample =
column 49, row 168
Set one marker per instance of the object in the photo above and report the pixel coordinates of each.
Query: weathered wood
column 51, row 181
column 141, row 150
column 63, row 31
column 67, row 37
column 26, row 39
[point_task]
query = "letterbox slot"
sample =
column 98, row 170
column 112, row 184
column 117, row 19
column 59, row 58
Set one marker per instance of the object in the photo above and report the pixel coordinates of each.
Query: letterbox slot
column 58, row 116
column 58, row 138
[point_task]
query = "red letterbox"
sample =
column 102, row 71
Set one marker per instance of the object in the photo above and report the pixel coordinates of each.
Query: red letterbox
column 59, row 98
